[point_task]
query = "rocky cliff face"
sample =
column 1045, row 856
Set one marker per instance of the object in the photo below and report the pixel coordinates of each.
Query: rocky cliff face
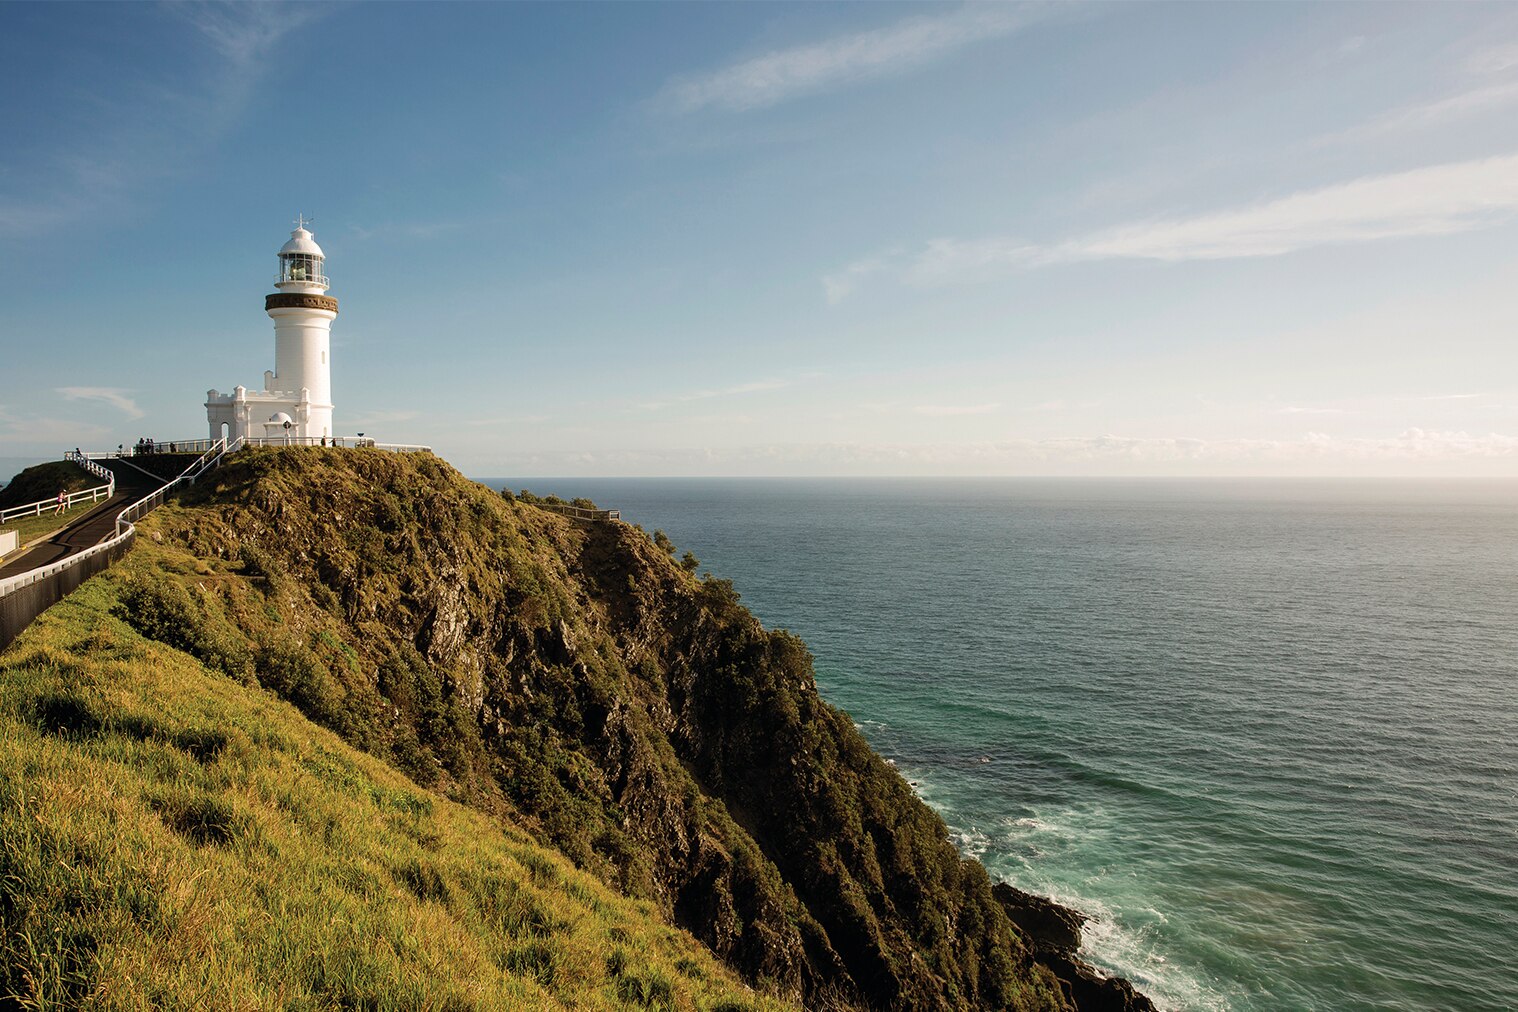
column 576, row 676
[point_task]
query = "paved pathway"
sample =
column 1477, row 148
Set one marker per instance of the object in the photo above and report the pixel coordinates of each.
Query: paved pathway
column 92, row 527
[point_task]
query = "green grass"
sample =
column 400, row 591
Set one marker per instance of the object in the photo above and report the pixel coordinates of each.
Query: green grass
column 40, row 483
column 32, row 528
column 572, row 680
column 171, row 838
column 43, row 482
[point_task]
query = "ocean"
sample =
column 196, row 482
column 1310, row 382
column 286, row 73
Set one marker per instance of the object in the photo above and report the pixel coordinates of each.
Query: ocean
column 1263, row 732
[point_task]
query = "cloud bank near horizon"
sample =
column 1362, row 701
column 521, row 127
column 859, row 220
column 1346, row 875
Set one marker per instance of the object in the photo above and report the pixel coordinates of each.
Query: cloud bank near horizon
column 1411, row 452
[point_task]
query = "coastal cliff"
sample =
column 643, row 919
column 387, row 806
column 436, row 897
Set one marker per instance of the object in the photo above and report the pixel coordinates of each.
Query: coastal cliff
column 578, row 681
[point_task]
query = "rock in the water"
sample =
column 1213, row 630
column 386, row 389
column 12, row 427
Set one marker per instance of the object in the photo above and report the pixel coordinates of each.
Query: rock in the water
column 1046, row 923
column 1055, row 931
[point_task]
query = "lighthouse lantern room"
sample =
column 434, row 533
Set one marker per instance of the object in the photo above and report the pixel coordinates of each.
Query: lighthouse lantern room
column 295, row 404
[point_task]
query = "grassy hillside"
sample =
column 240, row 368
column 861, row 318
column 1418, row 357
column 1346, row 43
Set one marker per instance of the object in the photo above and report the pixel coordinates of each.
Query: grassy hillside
column 174, row 838
column 43, row 482
column 577, row 680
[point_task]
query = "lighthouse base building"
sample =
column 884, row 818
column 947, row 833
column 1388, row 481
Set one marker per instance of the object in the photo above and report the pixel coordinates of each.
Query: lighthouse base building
column 295, row 404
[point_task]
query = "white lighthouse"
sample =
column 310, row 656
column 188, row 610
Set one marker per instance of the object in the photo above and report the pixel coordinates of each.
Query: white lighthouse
column 295, row 404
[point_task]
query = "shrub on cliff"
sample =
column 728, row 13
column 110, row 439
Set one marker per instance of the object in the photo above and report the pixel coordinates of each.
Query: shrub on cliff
column 166, row 610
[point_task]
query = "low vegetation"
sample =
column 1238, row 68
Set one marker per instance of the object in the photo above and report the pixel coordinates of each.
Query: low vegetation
column 576, row 682
column 43, row 482
column 171, row 838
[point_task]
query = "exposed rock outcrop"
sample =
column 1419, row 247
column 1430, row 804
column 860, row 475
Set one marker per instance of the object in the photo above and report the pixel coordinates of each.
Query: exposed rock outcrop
column 1055, row 932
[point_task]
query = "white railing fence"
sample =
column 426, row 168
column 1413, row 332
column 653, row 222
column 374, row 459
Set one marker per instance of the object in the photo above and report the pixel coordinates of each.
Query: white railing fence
column 36, row 509
column 578, row 512
column 124, row 528
column 207, row 460
column 70, row 499
column 84, row 461
column 350, row 442
column 163, row 446
column 156, row 448
column 212, row 452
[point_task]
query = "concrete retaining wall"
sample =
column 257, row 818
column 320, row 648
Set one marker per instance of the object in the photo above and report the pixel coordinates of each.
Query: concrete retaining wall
column 9, row 542
column 21, row 606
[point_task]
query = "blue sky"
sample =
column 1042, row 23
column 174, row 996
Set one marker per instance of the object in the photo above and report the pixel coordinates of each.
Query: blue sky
column 781, row 238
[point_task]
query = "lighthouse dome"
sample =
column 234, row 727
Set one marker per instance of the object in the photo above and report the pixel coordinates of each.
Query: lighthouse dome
column 301, row 241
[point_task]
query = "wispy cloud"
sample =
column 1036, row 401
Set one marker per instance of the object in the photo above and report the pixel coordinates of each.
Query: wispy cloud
column 1351, row 46
column 243, row 33
column 757, row 386
column 411, row 230
column 1495, row 59
column 382, row 417
column 1410, row 445
column 150, row 129
column 1490, row 98
column 116, row 397
column 787, row 73
column 1451, row 397
column 496, row 423
column 1295, row 409
column 1436, row 200
column 36, row 435
column 840, row 284
column 1060, row 404
column 950, row 410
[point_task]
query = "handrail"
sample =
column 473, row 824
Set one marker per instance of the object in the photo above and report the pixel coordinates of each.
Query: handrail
column 189, row 475
column 124, row 526
column 348, row 442
column 89, row 465
column 157, row 448
column 212, row 457
column 579, row 512
column 34, row 575
column 311, row 279
column 129, row 462
column 163, row 446
column 36, row 509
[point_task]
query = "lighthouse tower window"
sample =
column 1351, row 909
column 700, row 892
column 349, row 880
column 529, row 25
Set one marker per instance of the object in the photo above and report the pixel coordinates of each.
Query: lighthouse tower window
column 301, row 267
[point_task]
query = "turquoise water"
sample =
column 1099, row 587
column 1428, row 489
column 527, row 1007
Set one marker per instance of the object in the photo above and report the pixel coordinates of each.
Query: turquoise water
column 1266, row 733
